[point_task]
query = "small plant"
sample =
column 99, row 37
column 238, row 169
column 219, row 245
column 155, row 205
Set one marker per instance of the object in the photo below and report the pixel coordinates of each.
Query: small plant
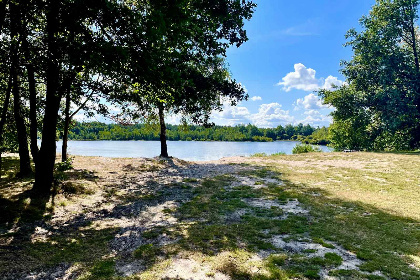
column 259, row 155
column 278, row 260
column 147, row 252
column 323, row 243
column 305, row 148
column 333, row 259
column 64, row 166
column 60, row 168
column 279, row 154
column 190, row 180
column 102, row 270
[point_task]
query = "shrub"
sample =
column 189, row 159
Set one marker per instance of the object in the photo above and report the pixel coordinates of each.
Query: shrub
column 305, row 148
column 259, row 155
column 279, row 154
column 60, row 169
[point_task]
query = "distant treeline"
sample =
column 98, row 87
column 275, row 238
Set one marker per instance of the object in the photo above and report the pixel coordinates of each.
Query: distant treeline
column 102, row 131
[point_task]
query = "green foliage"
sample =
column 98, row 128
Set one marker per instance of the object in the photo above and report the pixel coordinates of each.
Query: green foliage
column 320, row 136
column 64, row 165
column 305, row 148
column 60, row 168
column 379, row 108
column 101, row 131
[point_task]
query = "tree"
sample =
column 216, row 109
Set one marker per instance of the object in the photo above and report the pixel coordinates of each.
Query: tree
column 186, row 74
column 383, row 91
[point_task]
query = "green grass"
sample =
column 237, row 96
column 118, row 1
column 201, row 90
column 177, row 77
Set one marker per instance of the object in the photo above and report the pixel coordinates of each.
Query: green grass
column 146, row 252
column 366, row 203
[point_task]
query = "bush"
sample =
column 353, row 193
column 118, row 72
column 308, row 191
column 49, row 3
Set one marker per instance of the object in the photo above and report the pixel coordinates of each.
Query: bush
column 60, row 169
column 64, row 166
column 305, row 148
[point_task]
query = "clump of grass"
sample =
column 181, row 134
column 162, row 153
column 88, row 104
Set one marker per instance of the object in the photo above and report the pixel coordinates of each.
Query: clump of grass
column 333, row 259
column 190, row 180
column 65, row 165
column 259, row 155
column 279, row 154
column 104, row 269
column 277, row 259
column 152, row 234
column 266, row 155
column 75, row 188
column 147, row 252
column 60, row 170
column 305, row 148
column 323, row 243
column 309, row 251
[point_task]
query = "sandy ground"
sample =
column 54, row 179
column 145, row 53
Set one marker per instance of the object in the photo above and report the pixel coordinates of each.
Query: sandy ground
column 117, row 186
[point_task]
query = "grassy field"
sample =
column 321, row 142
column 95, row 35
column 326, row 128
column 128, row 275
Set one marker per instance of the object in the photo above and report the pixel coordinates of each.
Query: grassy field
column 308, row 216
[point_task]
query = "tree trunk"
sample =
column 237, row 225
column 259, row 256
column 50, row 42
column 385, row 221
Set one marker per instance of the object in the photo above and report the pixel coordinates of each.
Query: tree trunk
column 4, row 114
column 44, row 171
column 163, row 146
column 24, row 159
column 416, row 142
column 32, row 112
column 66, row 128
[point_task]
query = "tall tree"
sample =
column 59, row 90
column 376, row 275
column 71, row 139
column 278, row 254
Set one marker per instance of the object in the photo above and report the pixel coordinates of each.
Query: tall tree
column 75, row 38
column 383, row 78
column 16, row 41
column 185, row 67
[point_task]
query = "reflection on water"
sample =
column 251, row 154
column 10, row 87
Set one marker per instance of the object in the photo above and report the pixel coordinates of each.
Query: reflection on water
column 187, row 150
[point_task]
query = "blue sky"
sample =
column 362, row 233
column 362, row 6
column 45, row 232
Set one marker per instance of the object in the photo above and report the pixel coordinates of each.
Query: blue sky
column 294, row 48
column 304, row 37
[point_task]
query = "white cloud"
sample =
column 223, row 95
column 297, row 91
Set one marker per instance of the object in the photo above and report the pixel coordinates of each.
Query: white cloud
column 173, row 118
column 256, row 98
column 332, row 82
column 317, row 121
column 230, row 115
column 313, row 113
column 315, row 118
column 304, row 78
column 271, row 115
column 311, row 101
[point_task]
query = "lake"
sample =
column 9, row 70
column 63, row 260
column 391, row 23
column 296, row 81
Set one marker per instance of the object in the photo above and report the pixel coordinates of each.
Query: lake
column 187, row 150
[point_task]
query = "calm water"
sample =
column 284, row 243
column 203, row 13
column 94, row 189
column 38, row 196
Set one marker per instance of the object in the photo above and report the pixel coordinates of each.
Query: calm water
column 189, row 150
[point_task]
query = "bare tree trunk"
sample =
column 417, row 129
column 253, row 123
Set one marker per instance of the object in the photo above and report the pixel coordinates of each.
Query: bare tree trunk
column 66, row 128
column 416, row 140
column 33, row 132
column 44, row 171
column 24, row 159
column 4, row 114
column 163, row 146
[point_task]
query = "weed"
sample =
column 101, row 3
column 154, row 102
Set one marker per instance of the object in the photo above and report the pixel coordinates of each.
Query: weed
column 146, row 252
column 305, row 148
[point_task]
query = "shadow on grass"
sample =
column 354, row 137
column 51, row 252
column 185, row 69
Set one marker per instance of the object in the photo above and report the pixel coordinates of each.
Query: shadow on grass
column 204, row 225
